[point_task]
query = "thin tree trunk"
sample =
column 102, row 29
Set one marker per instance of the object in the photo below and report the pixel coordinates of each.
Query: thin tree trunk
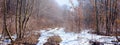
column 107, row 19
column 96, row 11
column 116, row 13
column 4, row 21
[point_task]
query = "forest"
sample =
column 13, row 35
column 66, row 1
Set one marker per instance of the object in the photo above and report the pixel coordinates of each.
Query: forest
column 59, row 22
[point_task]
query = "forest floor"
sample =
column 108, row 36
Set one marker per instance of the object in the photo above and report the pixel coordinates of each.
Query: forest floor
column 85, row 37
column 71, row 38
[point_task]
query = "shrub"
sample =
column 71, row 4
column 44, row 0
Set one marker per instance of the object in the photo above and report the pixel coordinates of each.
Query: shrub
column 54, row 40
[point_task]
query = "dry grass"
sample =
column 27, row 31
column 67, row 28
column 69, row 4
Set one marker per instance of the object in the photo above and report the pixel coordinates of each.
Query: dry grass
column 54, row 40
column 32, row 39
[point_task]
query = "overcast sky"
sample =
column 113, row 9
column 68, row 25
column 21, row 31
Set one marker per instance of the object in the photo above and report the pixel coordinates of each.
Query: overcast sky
column 66, row 2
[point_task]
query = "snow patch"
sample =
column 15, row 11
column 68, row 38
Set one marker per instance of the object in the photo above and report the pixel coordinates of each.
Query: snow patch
column 71, row 38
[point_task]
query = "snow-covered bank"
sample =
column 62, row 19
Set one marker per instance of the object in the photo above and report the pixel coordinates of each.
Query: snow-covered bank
column 70, row 38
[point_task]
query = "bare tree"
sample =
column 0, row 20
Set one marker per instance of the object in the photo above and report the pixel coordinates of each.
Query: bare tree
column 4, row 20
column 96, row 12
column 23, row 12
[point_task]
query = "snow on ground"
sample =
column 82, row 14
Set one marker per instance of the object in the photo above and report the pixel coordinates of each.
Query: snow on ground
column 70, row 38
column 7, row 41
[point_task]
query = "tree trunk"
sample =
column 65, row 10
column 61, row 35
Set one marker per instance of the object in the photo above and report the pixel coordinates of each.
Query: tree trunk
column 4, row 21
column 96, row 11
